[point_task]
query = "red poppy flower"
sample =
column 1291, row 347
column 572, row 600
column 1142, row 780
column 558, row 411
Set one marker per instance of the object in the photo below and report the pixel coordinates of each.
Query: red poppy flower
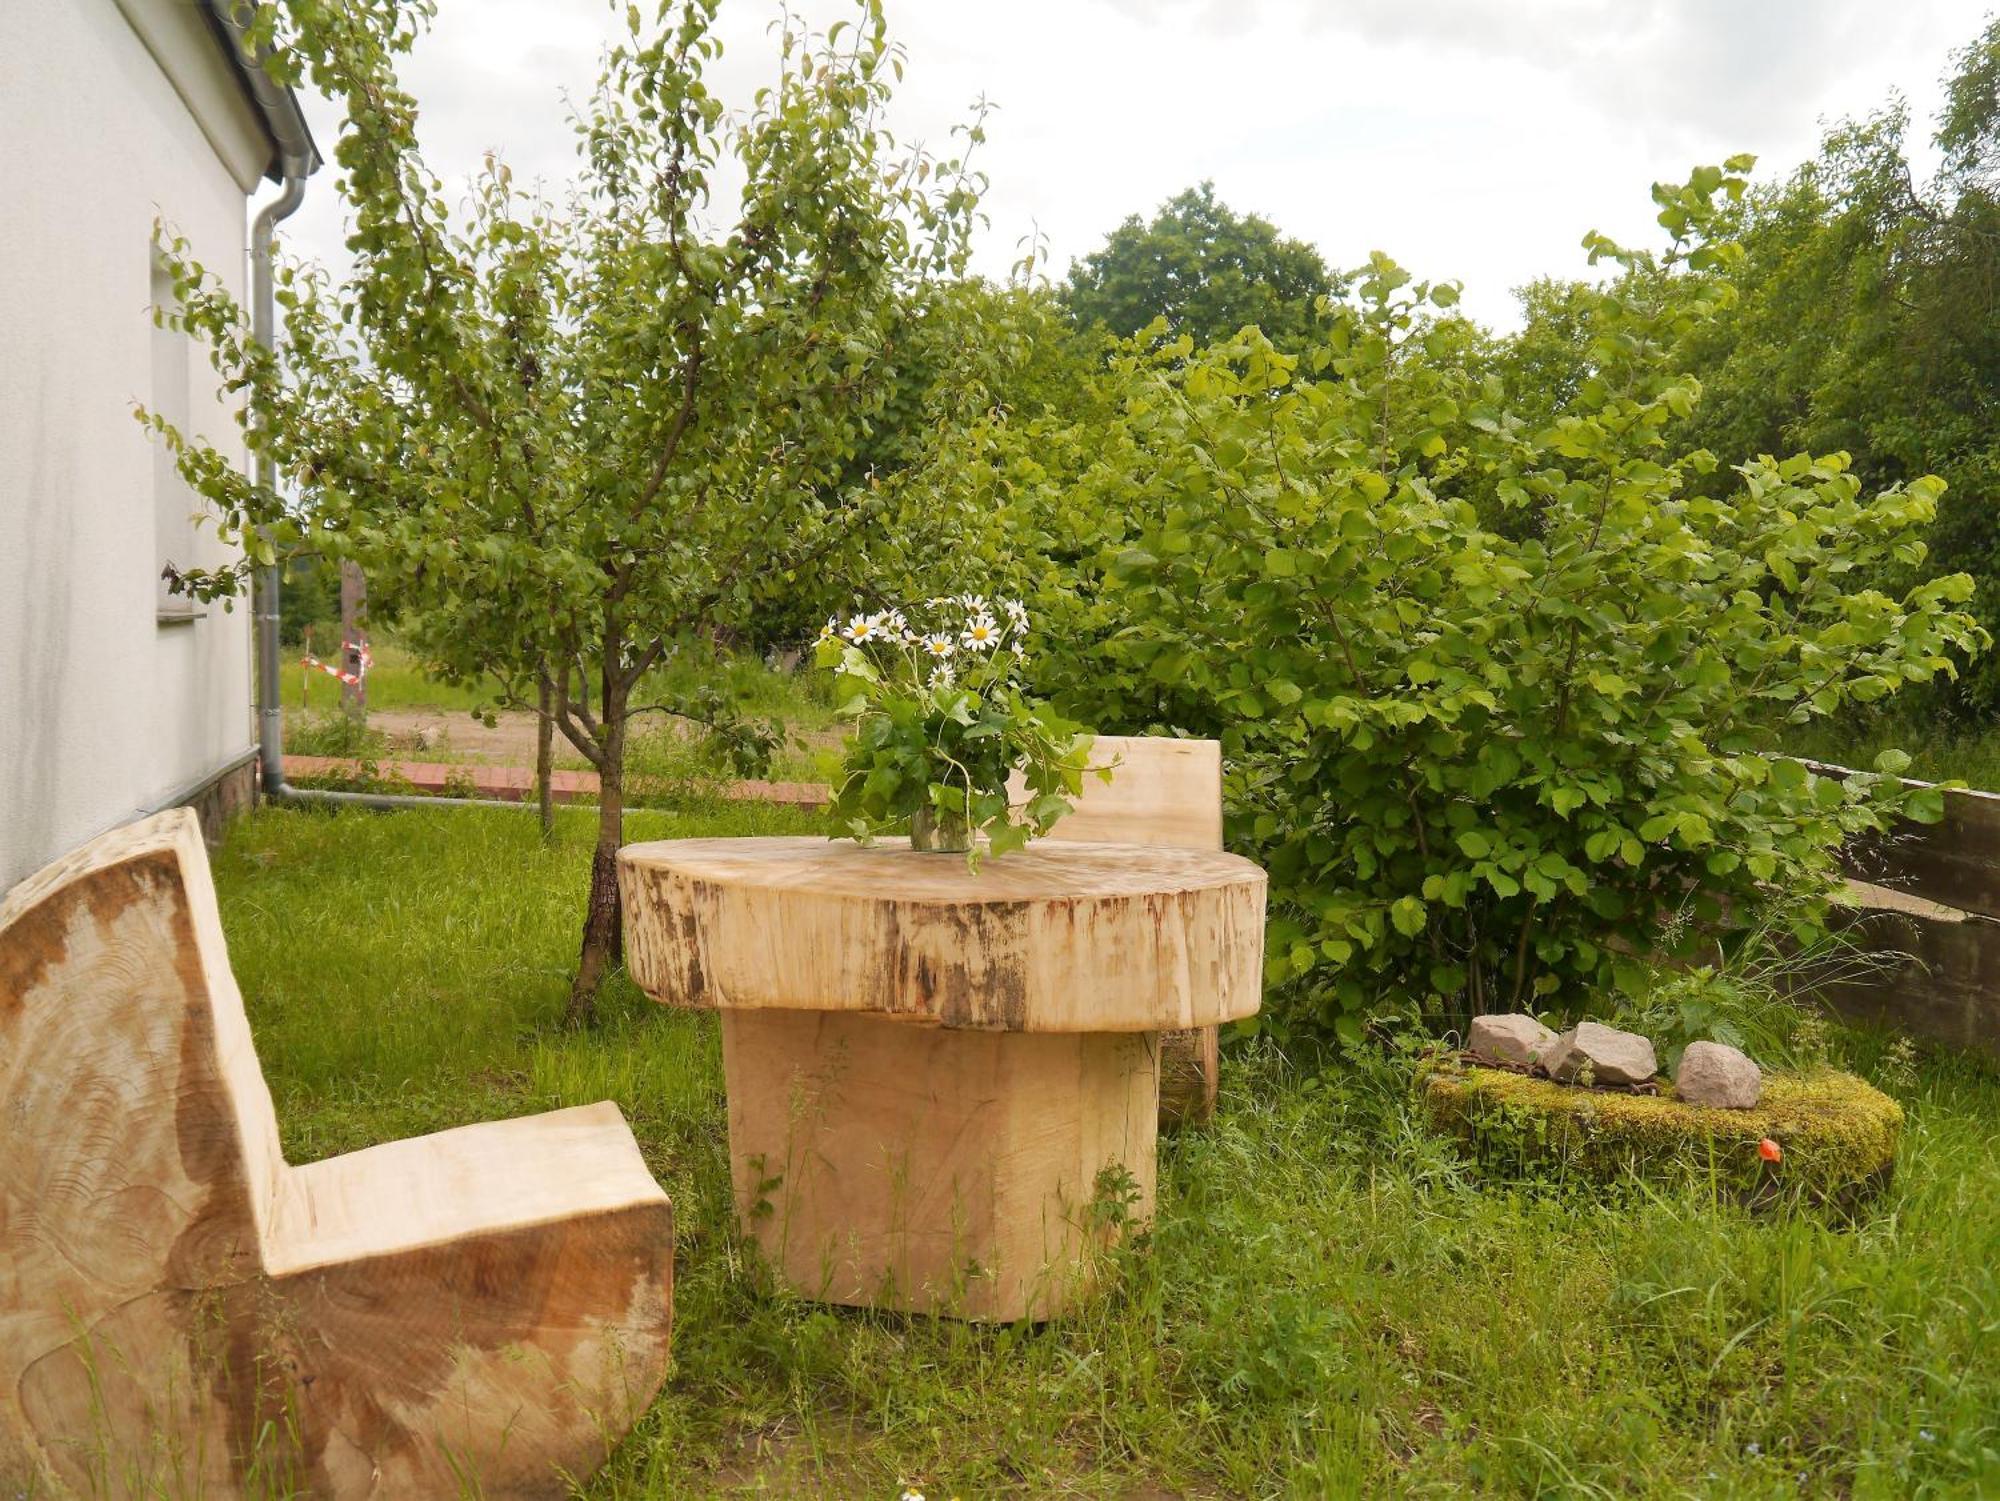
column 1770, row 1151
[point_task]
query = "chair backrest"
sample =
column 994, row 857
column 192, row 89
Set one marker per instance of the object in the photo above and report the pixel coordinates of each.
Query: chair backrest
column 141, row 1146
column 1163, row 792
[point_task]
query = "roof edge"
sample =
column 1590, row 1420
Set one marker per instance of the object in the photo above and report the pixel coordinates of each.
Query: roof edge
column 293, row 151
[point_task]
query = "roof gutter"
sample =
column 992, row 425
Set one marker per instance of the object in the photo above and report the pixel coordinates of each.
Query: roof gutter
column 294, row 158
column 293, row 153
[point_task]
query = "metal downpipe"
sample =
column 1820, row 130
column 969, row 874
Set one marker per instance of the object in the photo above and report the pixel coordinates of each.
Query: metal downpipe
column 263, row 328
column 265, row 584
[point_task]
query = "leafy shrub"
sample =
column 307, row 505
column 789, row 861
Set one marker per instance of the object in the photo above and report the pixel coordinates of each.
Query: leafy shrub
column 1485, row 764
column 734, row 741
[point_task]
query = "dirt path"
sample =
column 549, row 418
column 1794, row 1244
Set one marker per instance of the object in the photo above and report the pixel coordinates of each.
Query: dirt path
column 441, row 735
column 458, row 736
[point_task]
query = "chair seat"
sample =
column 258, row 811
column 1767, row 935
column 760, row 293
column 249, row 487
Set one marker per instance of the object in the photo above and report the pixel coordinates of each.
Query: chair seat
column 475, row 1180
column 484, row 1311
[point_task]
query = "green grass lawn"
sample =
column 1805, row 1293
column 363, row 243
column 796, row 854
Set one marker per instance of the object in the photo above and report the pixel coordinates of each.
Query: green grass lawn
column 1328, row 1304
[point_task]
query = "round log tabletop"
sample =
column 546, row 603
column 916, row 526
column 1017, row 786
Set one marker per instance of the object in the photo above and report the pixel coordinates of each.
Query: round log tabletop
column 1059, row 937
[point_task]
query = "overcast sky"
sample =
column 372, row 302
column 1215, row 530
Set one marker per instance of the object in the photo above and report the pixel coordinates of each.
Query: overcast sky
column 1476, row 139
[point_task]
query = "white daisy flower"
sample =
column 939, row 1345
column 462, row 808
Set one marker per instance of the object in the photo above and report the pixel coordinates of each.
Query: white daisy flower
column 975, row 604
column 980, row 634
column 831, row 629
column 942, row 675
column 938, row 644
column 1016, row 611
column 863, row 628
column 894, row 624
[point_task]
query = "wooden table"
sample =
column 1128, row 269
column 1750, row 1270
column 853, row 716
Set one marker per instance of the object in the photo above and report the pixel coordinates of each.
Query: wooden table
column 943, row 1085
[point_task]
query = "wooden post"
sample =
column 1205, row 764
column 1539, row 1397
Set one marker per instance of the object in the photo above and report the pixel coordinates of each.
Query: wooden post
column 353, row 635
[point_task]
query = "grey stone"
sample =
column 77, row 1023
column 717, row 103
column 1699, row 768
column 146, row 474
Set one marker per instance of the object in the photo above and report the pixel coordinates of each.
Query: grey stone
column 1607, row 1054
column 1717, row 1075
column 1515, row 1038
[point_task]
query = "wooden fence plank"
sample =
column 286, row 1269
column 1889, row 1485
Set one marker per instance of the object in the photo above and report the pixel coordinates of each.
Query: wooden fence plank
column 1927, row 905
column 1942, row 978
column 1955, row 862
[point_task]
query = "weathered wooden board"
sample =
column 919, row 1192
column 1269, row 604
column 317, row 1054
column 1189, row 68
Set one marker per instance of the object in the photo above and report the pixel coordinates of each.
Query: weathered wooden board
column 1955, row 862
column 1161, row 792
column 1939, row 974
column 889, row 1165
column 1054, row 938
column 184, row 1313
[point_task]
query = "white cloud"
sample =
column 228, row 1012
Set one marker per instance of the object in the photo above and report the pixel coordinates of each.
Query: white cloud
column 1469, row 138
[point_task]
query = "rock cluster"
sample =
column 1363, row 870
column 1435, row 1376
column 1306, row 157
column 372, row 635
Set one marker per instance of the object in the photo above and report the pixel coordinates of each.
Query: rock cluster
column 1710, row 1073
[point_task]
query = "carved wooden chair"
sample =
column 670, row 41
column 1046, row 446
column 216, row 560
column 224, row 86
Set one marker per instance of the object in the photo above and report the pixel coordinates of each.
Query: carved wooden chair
column 1161, row 792
column 483, row 1311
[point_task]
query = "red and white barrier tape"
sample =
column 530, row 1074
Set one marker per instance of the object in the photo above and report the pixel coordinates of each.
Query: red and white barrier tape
column 352, row 679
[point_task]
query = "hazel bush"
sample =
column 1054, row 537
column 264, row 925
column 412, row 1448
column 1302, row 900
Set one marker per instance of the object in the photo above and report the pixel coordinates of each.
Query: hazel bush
column 1504, row 704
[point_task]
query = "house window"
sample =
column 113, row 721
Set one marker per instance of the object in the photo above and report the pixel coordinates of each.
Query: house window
column 173, row 502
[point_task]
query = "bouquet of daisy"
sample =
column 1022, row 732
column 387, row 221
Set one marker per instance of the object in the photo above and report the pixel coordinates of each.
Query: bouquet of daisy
column 941, row 721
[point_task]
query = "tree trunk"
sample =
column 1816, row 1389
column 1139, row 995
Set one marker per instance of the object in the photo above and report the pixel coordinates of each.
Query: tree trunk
column 602, row 930
column 545, row 757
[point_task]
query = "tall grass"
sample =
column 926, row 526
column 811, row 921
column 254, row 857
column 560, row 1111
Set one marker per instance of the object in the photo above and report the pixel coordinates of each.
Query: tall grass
column 1328, row 1303
column 398, row 681
column 1939, row 749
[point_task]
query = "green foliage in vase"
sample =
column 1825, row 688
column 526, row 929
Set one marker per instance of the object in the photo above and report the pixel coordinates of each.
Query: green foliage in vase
column 1204, row 268
column 1484, row 764
column 940, row 723
column 565, row 438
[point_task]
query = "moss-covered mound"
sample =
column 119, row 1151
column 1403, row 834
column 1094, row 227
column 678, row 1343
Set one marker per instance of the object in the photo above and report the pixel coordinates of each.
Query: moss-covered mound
column 1837, row 1133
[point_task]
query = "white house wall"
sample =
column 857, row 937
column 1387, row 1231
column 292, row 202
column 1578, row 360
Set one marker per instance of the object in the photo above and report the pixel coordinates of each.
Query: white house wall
column 103, row 711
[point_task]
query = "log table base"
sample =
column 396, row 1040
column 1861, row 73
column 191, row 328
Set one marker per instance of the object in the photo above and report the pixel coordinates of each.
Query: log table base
column 944, row 1082
column 889, row 1164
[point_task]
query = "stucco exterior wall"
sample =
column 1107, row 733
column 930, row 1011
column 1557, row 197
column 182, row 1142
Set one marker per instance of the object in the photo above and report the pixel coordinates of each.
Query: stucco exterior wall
column 105, row 711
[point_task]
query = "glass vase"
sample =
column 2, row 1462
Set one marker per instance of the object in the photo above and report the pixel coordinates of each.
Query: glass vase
column 938, row 832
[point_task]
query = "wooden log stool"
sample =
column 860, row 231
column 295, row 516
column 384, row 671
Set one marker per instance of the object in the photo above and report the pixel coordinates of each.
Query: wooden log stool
column 483, row 1311
column 943, row 1083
